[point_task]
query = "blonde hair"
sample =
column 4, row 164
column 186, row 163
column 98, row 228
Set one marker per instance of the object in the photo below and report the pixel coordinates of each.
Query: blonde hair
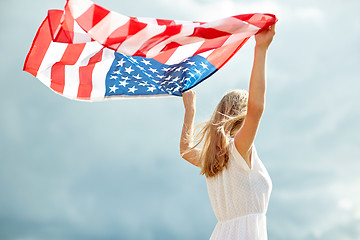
column 226, row 120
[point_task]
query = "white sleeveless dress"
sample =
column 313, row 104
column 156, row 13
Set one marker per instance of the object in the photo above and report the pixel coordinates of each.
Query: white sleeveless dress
column 239, row 196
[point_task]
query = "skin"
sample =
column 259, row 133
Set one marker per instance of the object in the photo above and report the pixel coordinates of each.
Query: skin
column 244, row 138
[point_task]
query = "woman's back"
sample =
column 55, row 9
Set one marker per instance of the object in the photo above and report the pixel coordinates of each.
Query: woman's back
column 239, row 196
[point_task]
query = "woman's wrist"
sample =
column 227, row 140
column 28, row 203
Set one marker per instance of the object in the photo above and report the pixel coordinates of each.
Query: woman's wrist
column 261, row 47
column 190, row 110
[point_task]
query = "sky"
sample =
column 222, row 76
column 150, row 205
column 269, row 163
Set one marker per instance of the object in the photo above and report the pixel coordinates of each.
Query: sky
column 112, row 170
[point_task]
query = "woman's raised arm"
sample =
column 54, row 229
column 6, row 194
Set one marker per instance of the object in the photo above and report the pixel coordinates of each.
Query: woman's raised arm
column 256, row 101
column 187, row 134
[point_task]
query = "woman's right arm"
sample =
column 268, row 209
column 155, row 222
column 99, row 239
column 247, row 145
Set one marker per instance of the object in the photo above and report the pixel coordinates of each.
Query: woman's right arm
column 256, row 101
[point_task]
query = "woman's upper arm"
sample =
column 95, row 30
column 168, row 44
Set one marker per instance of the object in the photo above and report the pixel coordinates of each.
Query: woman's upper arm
column 244, row 138
column 193, row 156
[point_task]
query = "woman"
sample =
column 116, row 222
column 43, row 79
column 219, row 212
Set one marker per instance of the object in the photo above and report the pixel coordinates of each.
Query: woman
column 238, row 184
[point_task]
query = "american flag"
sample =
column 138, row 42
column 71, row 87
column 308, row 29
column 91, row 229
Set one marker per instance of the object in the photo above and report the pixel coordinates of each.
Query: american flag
column 87, row 52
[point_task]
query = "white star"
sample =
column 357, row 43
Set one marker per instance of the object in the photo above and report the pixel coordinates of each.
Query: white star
column 191, row 74
column 155, row 81
column 137, row 77
column 160, row 76
column 168, row 78
column 178, row 69
column 151, row 89
column 121, row 62
column 128, row 70
column 197, row 71
column 117, row 72
column 165, row 69
column 146, row 62
column 113, row 77
column 177, row 88
column 175, row 79
column 123, row 83
column 153, row 70
column 132, row 89
column 204, row 65
column 186, row 69
column 125, row 78
column 113, row 88
column 143, row 83
column 191, row 63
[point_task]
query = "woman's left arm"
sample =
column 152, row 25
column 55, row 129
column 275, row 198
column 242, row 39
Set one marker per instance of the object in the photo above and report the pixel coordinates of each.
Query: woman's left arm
column 187, row 133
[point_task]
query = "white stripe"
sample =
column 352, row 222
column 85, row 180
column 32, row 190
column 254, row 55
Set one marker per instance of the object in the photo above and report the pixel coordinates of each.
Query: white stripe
column 72, row 75
column 80, row 36
column 183, row 52
column 230, row 25
column 99, row 75
column 238, row 36
column 147, row 20
column 71, row 85
column 132, row 44
column 101, row 31
column 181, row 22
column 78, row 7
column 207, row 53
column 89, row 51
column 52, row 56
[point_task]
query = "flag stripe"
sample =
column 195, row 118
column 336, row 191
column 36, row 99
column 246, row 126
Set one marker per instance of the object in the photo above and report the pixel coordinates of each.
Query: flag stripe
column 133, row 43
column 92, row 16
column 99, row 74
column 85, row 77
column 164, row 56
column 38, row 48
column 210, row 44
column 103, row 30
column 183, row 52
column 123, row 32
column 58, row 77
column 159, row 40
column 52, row 56
column 221, row 55
column 70, row 57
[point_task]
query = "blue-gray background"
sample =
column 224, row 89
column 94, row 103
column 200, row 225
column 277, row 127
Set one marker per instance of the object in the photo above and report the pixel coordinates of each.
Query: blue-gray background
column 112, row 170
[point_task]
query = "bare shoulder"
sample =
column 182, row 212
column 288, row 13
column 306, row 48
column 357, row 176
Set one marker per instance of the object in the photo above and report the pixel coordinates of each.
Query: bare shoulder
column 245, row 137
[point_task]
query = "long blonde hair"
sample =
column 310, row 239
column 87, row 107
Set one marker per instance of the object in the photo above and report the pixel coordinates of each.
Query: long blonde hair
column 226, row 120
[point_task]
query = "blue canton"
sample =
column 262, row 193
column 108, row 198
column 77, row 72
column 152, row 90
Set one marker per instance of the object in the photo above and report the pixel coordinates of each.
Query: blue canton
column 146, row 76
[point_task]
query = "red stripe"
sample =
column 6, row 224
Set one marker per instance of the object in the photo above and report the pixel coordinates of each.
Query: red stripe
column 164, row 56
column 170, row 31
column 40, row 45
column 165, row 22
column 210, row 44
column 92, row 16
column 85, row 77
column 70, row 57
column 208, row 33
column 68, row 23
column 58, row 77
column 262, row 21
column 222, row 55
column 122, row 33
